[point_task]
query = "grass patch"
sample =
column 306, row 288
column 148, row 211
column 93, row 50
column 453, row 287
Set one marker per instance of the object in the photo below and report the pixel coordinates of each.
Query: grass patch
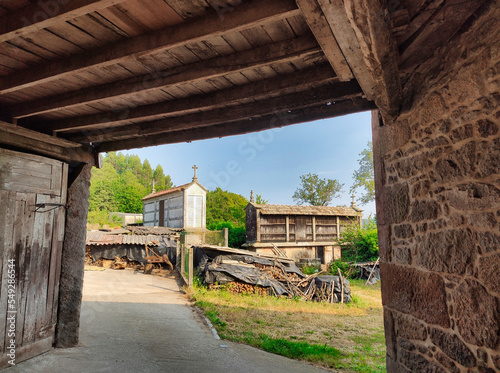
column 341, row 337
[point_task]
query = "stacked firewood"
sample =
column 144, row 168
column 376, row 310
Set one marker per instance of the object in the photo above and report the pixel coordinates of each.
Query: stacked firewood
column 242, row 288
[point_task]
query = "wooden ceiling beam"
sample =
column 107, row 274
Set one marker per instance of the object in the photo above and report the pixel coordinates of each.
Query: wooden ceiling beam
column 244, row 16
column 243, row 126
column 42, row 14
column 24, row 139
column 294, row 101
column 283, row 51
column 296, row 81
column 363, row 32
column 371, row 22
column 320, row 28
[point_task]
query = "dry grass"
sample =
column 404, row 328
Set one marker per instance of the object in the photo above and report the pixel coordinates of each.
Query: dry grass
column 355, row 329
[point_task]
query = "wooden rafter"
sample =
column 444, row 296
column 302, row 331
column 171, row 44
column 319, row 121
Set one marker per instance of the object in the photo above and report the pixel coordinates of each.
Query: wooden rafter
column 293, row 101
column 274, row 53
column 42, row 14
column 244, row 16
column 319, row 26
column 18, row 137
column 362, row 29
column 243, row 126
column 296, row 81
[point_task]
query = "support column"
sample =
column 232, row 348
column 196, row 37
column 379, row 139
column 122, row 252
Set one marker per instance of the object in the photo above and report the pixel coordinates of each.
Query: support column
column 73, row 258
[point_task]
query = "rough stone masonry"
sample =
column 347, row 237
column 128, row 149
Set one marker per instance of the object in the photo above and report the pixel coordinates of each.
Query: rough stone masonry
column 437, row 172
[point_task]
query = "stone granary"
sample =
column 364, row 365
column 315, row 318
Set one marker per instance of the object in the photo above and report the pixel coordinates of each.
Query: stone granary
column 82, row 77
column 184, row 206
column 298, row 231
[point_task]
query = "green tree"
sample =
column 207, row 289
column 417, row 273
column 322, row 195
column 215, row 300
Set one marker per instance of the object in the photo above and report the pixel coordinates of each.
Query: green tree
column 316, row 191
column 162, row 182
column 363, row 176
column 360, row 244
column 225, row 207
column 260, row 200
column 102, row 188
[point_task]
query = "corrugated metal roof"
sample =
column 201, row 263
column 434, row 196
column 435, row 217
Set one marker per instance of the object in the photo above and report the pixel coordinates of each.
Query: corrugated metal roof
column 103, row 238
column 305, row 210
column 159, row 231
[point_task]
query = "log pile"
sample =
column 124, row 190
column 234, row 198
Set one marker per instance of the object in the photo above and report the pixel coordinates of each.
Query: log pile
column 246, row 274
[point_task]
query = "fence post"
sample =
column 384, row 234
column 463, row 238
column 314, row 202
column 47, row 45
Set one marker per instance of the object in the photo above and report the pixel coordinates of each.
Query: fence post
column 190, row 267
column 225, row 232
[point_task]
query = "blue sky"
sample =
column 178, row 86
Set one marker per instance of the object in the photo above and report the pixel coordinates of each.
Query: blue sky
column 271, row 162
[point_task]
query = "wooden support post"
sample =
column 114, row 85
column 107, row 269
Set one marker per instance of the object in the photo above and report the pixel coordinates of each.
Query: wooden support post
column 338, row 228
column 190, row 268
column 177, row 254
column 73, row 258
column 258, row 225
column 314, row 228
column 183, row 260
column 287, row 228
column 225, row 232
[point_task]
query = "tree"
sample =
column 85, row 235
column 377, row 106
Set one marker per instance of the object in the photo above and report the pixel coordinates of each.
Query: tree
column 316, row 191
column 260, row 200
column 225, row 207
column 363, row 177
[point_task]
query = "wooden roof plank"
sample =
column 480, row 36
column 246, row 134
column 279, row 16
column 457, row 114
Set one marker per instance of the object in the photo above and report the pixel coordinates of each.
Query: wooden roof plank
column 40, row 15
column 244, row 126
column 282, row 51
column 243, row 17
column 321, row 29
column 299, row 80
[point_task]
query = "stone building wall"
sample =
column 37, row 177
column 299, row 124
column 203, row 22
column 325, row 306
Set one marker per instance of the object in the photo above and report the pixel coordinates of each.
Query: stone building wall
column 437, row 175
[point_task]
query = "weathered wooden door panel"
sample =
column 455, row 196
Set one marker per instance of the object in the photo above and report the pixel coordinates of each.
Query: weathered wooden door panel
column 300, row 228
column 32, row 206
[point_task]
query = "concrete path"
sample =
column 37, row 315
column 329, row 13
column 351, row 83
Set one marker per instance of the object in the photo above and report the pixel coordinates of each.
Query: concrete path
column 133, row 322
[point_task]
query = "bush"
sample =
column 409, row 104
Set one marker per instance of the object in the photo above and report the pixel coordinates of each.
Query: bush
column 360, row 244
column 347, row 270
column 237, row 235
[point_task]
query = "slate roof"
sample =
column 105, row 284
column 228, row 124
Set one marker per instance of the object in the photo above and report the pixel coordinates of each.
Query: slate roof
column 172, row 190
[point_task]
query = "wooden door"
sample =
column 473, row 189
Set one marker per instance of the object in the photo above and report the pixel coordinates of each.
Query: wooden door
column 32, row 214
column 300, row 228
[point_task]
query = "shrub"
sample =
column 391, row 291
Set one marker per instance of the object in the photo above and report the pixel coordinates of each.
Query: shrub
column 237, row 235
column 360, row 244
column 347, row 270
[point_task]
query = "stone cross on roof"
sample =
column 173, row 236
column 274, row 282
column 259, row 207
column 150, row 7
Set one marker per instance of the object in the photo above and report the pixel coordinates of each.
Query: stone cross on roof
column 195, row 178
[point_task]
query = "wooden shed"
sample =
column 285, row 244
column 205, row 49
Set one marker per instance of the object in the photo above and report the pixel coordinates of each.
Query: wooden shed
column 298, row 231
column 184, row 206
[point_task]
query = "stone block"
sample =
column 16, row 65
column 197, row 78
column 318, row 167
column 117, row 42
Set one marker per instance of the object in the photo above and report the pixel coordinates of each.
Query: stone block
column 486, row 128
column 457, row 165
column 450, row 251
column 446, row 362
column 424, row 210
column 401, row 254
column 489, row 272
column 393, row 366
column 473, row 196
column 408, row 327
column 476, row 314
column 403, row 231
column 418, row 363
column 496, row 361
column 489, row 159
column 417, row 293
column 390, row 334
column 396, row 201
column 489, row 242
column 453, row 347
column 461, row 133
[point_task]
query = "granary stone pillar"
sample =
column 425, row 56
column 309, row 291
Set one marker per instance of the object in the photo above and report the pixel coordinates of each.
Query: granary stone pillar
column 73, row 258
column 437, row 171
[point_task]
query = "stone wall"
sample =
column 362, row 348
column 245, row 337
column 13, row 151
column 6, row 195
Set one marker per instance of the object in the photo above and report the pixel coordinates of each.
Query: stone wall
column 437, row 172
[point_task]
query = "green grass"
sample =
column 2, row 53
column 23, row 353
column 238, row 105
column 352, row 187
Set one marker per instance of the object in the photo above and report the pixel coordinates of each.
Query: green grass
column 340, row 337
